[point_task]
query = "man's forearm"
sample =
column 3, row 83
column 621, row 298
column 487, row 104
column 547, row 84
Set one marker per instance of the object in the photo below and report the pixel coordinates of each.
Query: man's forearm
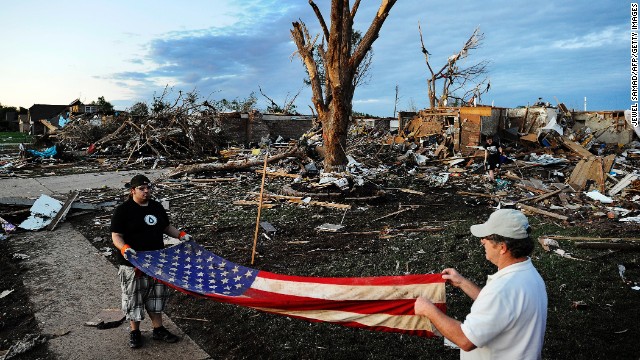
column 172, row 231
column 468, row 287
column 450, row 328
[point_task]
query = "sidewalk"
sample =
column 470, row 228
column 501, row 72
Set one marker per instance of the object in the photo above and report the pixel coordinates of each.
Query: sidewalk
column 51, row 185
column 70, row 283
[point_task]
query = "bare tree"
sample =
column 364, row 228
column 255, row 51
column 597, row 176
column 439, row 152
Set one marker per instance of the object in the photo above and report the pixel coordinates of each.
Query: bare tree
column 288, row 108
column 334, row 104
column 456, row 79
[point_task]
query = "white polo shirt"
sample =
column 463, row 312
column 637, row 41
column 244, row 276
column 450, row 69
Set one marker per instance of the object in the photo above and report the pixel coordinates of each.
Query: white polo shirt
column 509, row 317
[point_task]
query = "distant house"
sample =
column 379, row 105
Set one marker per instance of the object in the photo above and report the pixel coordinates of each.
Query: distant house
column 77, row 107
column 47, row 112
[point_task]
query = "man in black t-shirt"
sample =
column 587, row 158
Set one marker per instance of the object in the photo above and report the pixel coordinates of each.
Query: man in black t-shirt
column 139, row 224
column 492, row 153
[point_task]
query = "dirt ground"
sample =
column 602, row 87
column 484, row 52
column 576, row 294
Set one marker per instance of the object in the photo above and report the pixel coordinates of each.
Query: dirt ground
column 593, row 313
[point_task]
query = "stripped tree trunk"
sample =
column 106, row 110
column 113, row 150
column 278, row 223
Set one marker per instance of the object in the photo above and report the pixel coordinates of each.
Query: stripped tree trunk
column 341, row 63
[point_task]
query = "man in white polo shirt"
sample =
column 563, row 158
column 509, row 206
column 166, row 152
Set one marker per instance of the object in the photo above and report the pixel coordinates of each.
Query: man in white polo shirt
column 508, row 317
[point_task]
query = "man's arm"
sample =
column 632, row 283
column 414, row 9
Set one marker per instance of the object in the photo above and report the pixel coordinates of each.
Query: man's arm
column 172, row 231
column 448, row 327
column 118, row 240
column 454, row 278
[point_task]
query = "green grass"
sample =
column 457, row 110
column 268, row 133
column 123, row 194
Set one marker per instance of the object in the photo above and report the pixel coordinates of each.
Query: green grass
column 15, row 137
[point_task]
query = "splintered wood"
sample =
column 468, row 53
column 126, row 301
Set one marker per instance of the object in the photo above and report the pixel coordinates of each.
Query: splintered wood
column 594, row 169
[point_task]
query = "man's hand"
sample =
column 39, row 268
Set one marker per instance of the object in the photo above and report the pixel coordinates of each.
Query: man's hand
column 453, row 277
column 127, row 251
column 184, row 236
column 423, row 306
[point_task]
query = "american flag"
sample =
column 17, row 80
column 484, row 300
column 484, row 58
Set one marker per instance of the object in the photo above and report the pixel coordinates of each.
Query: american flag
column 383, row 303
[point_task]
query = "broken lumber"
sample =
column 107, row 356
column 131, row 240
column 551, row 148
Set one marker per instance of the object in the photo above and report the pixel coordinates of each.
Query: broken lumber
column 476, row 194
column 231, row 165
column 586, row 238
column 322, row 203
column 593, row 169
column 575, row 147
column 626, row 181
column 252, row 203
column 540, row 197
column 395, row 213
column 214, row 180
column 612, row 246
column 542, row 212
column 280, row 173
column 63, row 212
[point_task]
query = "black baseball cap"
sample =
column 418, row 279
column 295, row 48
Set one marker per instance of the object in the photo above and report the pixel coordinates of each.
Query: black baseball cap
column 138, row 180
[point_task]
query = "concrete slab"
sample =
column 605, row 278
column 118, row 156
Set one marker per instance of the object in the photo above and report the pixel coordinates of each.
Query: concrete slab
column 69, row 283
column 60, row 185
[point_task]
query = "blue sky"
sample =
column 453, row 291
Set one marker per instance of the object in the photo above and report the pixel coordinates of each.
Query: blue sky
column 127, row 51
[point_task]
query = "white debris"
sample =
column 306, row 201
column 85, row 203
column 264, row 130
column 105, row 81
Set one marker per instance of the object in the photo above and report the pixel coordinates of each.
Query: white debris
column 329, row 227
column 43, row 211
column 596, row 195
column 4, row 293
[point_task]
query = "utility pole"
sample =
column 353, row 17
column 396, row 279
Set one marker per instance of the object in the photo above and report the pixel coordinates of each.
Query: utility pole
column 395, row 105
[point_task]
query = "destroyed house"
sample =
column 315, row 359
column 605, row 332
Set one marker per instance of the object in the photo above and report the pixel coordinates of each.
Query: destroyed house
column 41, row 116
column 253, row 127
column 464, row 127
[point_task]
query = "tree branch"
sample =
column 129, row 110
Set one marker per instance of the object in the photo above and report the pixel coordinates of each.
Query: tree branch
column 325, row 30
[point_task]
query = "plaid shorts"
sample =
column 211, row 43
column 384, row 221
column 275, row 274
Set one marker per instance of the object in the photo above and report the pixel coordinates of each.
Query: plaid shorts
column 140, row 292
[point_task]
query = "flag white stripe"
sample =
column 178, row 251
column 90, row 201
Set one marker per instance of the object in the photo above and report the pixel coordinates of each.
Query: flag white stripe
column 433, row 291
column 402, row 322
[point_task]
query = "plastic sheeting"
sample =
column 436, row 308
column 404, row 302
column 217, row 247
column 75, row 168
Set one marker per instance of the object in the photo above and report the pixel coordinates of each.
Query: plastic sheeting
column 47, row 153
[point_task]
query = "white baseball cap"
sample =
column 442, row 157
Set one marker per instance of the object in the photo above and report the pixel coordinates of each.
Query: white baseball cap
column 504, row 222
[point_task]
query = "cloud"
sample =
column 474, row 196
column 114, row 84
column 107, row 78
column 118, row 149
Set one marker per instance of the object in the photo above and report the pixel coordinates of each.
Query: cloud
column 611, row 35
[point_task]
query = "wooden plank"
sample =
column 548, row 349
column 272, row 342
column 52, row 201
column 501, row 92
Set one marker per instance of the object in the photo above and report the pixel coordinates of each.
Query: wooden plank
column 280, row 173
column 626, row 181
column 543, row 212
column 541, row 197
column 253, row 203
column 214, row 180
column 49, row 125
column 576, row 148
column 477, row 110
column 587, row 238
column 63, row 211
column 579, row 175
column 604, row 246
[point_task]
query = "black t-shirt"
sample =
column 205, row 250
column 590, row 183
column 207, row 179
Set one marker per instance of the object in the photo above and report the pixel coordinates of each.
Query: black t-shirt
column 142, row 227
column 493, row 151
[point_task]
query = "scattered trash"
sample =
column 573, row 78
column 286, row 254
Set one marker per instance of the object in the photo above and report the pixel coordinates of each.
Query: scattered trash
column 29, row 342
column 579, row 305
column 107, row 319
column 330, row 227
column 4, row 293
